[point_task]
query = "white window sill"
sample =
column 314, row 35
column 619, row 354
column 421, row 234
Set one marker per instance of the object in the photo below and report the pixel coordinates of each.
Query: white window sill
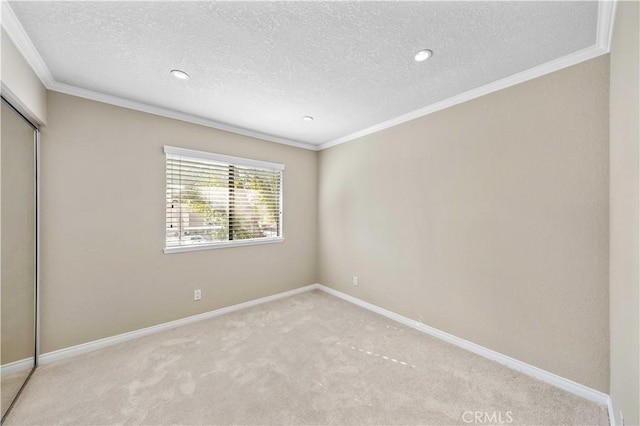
column 223, row 244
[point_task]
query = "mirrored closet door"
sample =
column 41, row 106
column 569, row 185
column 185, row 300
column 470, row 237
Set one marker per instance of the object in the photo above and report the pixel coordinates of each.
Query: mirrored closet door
column 18, row 252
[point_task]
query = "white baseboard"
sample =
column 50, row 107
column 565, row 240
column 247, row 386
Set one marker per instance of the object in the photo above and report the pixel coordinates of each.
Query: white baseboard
column 50, row 357
column 530, row 370
column 538, row 373
column 17, row 366
column 612, row 415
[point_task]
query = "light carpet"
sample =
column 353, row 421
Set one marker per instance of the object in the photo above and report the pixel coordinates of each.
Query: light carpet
column 307, row 359
column 10, row 384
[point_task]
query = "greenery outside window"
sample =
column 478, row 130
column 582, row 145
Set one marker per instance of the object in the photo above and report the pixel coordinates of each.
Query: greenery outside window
column 218, row 201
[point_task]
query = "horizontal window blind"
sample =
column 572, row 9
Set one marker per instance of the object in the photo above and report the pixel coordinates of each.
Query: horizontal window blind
column 214, row 199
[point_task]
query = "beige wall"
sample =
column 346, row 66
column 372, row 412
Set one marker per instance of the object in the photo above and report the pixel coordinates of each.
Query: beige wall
column 488, row 220
column 625, row 214
column 20, row 84
column 103, row 218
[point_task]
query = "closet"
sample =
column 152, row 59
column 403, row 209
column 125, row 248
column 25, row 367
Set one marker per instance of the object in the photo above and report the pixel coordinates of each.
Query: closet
column 18, row 252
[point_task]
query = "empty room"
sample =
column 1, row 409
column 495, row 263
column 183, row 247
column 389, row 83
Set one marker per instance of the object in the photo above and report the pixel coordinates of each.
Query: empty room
column 320, row 212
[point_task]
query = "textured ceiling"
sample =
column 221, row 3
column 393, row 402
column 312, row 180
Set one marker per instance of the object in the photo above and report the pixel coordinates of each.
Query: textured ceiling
column 263, row 65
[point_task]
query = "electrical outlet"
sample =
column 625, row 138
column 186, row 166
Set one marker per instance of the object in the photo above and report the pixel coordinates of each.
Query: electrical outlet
column 197, row 294
column 356, row 280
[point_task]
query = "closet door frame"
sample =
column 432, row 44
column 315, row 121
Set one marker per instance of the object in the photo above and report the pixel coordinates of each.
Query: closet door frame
column 36, row 260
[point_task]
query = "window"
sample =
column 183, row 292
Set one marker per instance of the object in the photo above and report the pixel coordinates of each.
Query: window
column 219, row 201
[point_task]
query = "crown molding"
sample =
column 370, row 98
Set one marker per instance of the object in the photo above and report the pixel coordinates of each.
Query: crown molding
column 512, row 80
column 605, row 25
column 168, row 113
column 606, row 21
column 23, row 43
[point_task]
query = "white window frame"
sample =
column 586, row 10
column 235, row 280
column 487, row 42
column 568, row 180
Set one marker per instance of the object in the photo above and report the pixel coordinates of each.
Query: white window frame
column 237, row 161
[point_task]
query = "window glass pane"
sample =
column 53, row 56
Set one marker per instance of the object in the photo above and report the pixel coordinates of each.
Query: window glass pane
column 209, row 202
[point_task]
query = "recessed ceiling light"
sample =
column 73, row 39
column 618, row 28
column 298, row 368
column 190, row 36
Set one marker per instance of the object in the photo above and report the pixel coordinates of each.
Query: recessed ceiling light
column 423, row 55
column 307, row 118
column 180, row 75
